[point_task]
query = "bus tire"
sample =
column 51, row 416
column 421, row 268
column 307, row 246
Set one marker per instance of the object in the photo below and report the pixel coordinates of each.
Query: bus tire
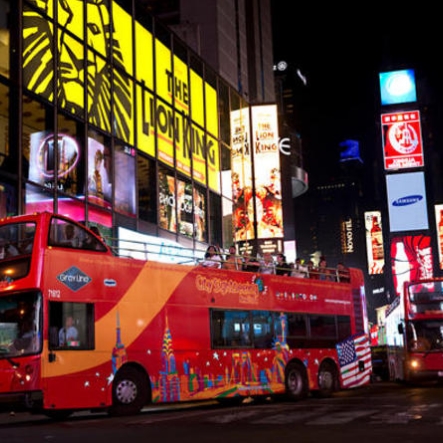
column 296, row 381
column 129, row 392
column 327, row 380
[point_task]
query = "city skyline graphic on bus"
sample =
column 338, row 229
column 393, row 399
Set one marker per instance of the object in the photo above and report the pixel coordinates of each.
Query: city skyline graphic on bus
column 227, row 374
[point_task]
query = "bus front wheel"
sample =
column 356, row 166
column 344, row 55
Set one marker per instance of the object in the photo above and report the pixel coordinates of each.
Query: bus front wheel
column 129, row 392
column 296, row 381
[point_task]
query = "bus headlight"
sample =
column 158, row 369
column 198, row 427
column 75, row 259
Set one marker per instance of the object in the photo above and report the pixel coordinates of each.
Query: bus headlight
column 414, row 364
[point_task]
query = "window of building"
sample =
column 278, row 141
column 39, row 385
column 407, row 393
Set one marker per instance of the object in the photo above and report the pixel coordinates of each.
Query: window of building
column 147, row 195
column 125, row 180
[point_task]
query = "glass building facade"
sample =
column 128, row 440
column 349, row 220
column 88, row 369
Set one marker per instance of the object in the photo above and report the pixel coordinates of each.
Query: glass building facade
column 110, row 119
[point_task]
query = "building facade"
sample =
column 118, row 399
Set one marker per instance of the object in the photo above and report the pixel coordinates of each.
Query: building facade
column 109, row 117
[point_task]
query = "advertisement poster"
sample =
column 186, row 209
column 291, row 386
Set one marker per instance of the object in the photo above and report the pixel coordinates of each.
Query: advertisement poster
column 124, row 188
column 374, row 242
column 267, row 172
column 50, row 156
column 99, row 174
column 407, row 202
column 411, row 259
column 402, row 141
column 243, row 211
column 439, row 224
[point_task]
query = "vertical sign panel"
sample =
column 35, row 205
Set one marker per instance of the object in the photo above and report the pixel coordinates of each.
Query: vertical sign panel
column 402, row 142
column 268, row 198
column 407, row 202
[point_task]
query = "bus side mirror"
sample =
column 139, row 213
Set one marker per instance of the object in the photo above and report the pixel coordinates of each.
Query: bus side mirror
column 400, row 328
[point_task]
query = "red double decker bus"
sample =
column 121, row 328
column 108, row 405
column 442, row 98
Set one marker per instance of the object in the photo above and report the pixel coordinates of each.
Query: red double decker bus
column 414, row 332
column 84, row 328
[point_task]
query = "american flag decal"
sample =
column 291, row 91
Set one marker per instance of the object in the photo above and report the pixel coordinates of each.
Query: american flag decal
column 354, row 356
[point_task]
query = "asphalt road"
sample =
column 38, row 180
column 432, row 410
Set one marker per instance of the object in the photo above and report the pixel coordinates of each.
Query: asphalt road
column 385, row 411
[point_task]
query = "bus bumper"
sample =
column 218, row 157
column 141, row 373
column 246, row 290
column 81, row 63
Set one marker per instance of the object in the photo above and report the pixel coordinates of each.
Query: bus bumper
column 21, row 400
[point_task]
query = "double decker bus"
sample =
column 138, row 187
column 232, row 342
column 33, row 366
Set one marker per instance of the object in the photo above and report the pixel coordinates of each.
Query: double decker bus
column 154, row 332
column 414, row 332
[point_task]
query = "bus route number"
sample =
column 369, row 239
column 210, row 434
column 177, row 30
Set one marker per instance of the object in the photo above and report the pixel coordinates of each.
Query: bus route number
column 54, row 293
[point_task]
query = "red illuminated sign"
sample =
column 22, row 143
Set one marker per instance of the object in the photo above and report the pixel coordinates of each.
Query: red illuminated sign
column 402, row 142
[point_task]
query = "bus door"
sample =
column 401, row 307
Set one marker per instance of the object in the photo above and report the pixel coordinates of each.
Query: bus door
column 70, row 379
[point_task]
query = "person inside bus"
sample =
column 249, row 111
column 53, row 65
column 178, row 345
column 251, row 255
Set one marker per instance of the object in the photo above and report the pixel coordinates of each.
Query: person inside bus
column 212, row 258
column 249, row 263
column 232, row 261
column 90, row 242
column 299, row 270
column 7, row 249
column 68, row 335
column 323, row 272
column 282, row 267
column 343, row 273
column 267, row 265
column 26, row 339
column 70, row 237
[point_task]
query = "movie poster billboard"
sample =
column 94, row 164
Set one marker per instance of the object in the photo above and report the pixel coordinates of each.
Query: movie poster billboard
column 411, row 259
column 402, row 141
column 268, row 197
column 243, row 210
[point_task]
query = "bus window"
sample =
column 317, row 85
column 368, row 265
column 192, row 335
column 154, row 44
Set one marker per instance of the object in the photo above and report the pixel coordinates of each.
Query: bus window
column 297, row 329
column 322, row 326
column 230, row 328
column 344, row 326
column 71, row 325
column 262, row 329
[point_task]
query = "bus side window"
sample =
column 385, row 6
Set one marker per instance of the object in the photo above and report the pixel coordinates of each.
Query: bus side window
column 71, row 326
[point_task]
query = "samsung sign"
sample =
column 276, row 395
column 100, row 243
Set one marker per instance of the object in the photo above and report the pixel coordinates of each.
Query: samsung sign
column 407, row 202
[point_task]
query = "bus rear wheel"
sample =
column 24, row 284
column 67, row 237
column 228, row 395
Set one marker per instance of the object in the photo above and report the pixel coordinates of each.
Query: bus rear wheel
column 327, row 380
column 129, row 392
column 296, row 381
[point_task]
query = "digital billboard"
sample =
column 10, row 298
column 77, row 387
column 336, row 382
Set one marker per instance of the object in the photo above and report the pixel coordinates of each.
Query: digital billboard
column 439, row 224
column 51, row 155
column 397, row 87
column 267, row 174
column 402, row 140
column 407, row 202
column 411, row 259
column 241, row 163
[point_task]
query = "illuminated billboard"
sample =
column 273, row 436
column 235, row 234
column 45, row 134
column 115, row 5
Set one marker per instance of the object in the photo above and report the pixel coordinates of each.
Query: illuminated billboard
column 182, row 208
column 407, row 202
column 267, row 174
column 411, row 259
column 171, row 111
column 402, row 141
column 374, row 242
column 241, row 163
column 397, row 87
column 51, row 155
column 439, row 224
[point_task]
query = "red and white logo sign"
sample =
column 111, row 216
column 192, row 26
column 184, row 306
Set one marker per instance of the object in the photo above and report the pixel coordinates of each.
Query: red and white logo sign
column 402, row 141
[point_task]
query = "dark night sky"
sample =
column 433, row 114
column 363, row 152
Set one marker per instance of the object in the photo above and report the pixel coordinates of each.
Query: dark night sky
column 341, row 53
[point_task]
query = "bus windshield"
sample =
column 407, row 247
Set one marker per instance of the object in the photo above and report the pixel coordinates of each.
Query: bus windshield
column 426, row 335
column 20, row 332
column 16, row 239
column 426, row 297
